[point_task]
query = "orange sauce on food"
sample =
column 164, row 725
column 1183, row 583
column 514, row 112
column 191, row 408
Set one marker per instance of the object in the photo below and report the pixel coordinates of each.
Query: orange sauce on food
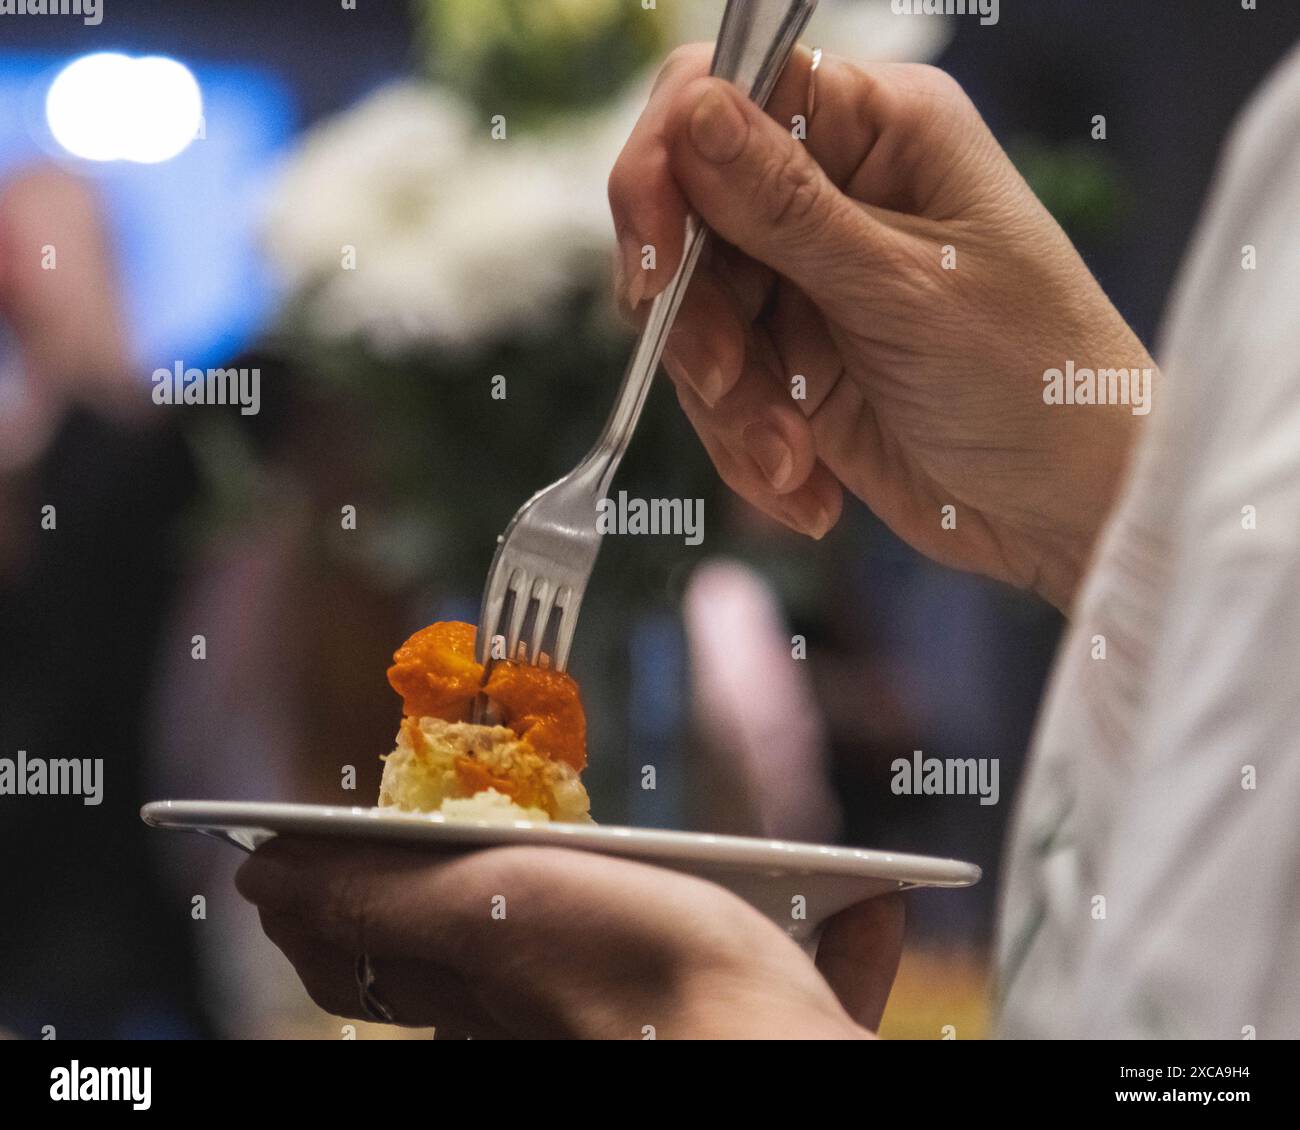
column 475, row 778
column 437, row 676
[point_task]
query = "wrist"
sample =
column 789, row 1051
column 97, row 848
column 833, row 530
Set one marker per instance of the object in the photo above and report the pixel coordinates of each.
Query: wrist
column 762, row 1004
column 1095, row 464
column 768, row 1020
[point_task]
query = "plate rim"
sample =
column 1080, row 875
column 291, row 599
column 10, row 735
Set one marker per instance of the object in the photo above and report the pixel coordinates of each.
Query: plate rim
column 643, row 843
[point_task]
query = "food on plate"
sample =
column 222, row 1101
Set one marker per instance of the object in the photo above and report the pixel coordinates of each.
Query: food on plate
column 526, row 767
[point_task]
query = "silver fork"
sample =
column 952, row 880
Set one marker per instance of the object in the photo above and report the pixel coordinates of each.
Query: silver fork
column 543, row 560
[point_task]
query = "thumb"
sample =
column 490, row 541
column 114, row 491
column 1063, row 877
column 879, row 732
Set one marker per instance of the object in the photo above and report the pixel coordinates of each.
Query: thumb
column 858, row 955
column 761, row 190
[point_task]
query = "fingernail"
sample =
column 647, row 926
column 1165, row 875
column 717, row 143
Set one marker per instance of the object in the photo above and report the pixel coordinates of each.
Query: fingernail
column 631, row 273
column 718, row 129
column 712, row 386
column 821, row 524
column 694, row 361
column 815, row 527
column 771, row 453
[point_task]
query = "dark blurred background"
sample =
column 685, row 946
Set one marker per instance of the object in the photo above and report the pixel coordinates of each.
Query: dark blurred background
column 323, row 129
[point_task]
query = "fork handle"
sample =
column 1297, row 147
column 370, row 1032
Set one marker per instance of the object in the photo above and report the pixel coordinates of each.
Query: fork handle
column 754, row 44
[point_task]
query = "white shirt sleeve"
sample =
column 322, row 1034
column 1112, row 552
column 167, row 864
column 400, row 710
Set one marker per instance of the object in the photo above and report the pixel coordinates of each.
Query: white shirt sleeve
column 1202, row 935
column 1158, row 844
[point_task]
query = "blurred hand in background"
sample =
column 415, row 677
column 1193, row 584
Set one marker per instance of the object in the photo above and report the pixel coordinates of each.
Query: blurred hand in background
column 59, row 294
column 61, row 334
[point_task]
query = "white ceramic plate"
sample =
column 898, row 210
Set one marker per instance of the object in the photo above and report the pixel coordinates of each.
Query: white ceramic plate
column 798, row 886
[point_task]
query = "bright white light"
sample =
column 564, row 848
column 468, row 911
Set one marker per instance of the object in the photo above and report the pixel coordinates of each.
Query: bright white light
column 110, row 107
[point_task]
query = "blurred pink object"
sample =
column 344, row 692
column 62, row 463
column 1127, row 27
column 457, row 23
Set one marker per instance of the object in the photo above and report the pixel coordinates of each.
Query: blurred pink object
column 755, row 711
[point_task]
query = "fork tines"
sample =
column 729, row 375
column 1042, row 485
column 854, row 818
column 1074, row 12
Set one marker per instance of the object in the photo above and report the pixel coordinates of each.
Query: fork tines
column 528, row 621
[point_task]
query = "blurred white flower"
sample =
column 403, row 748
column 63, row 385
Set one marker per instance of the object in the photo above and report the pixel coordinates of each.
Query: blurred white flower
column 457, row 237
column 857, row 29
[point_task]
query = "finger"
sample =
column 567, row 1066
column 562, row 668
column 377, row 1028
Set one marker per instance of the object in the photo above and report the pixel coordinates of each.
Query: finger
column 888, row 134
column 891, row 134
column 809, row 356
column 648, row 209
column 427, row 922
column 706, row 347
column 750, row 281
column 921, row 129
column 761, row 190
column 811, row 509
column 756, row 421
column 448, row 909
column 517, row 922
column 328, row 974
column 418, row 993
column 859, row 953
